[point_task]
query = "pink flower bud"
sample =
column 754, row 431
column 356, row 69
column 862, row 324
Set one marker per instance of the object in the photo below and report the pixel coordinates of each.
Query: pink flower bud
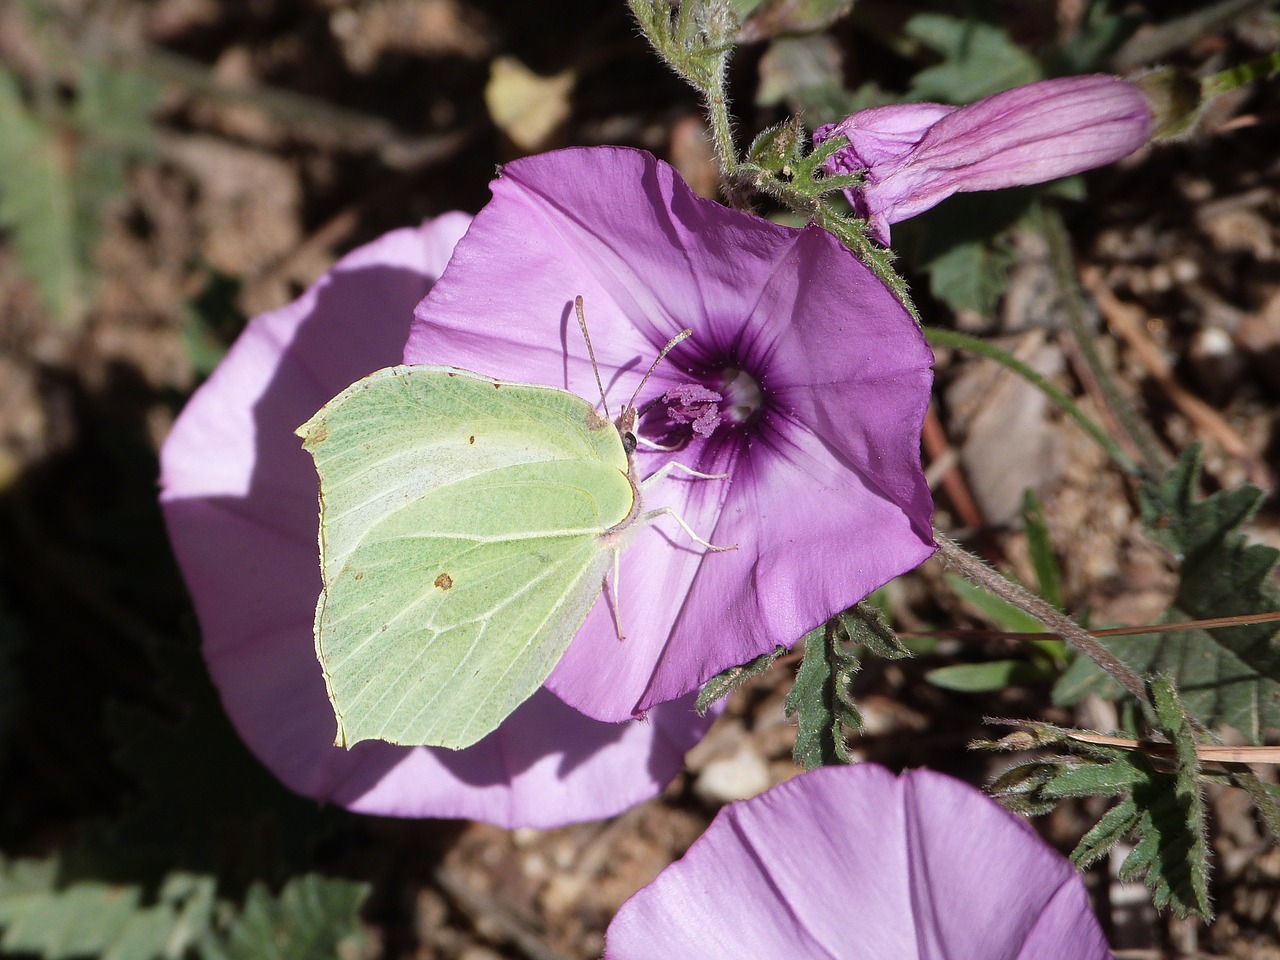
column 917, row 154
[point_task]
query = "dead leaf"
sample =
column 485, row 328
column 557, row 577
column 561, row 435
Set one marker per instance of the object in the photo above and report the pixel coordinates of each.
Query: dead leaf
column 527, row 107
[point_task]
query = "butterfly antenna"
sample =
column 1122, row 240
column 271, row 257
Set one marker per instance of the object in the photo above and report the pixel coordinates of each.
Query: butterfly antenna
column 684, row 334
column 595, row 367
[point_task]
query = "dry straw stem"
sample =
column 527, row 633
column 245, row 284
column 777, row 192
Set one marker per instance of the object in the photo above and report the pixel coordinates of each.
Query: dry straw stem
column 1206, row 753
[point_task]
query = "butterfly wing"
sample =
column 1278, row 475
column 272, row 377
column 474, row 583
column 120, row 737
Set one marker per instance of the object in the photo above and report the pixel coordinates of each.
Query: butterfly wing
column 460, row 558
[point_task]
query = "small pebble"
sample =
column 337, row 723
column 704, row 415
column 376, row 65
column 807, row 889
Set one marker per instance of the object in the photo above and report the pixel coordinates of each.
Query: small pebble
column 742, row 775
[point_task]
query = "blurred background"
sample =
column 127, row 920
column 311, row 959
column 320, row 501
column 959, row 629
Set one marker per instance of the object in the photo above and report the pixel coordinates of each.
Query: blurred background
column 170, row 168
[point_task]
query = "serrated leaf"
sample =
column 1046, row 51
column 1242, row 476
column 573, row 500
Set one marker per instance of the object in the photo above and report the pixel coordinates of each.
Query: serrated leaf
column 727, row 681
column 1160, row 803
column 821, row 698
column 1115, row 824
column 314, row 916
column 866, row 625
column 1095, row 779
column 1183, row 850
column 1228, row 675
column 979, row 59
column 821, row 702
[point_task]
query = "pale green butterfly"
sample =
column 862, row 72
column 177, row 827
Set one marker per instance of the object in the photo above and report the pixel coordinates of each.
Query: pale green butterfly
column 467, row 526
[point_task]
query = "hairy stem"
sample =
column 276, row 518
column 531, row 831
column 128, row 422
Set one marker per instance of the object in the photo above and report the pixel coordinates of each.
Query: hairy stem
column 984, row 576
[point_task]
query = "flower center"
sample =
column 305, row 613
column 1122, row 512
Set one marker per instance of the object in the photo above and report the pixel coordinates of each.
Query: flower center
column 742, row 395
column 694, row 404
column 703, row 409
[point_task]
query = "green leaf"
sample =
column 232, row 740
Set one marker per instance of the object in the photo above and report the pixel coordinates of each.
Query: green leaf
column 1048, row 576
column 57, row 173
column 866, row 625
column 695, row 38
column 821, row 697
column 1000, row 612
column 111, row 115
column 979, row 59
column 972, row 275
column 1227, row 675
column 1179, row 865
column 466, row 529
column 821, row 700
column 727, row 681
column 1116, row 776
column 1115, row 825
column 1160, row 806
column 211, row 321
column 963, row 245
column 314, row 916
column 114, row 921
column 37, row 206
column 794, row 70
column 987, row 677
column 1098, row 34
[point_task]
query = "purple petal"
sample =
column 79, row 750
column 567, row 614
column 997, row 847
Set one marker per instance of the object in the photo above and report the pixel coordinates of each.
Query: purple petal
column 880, row 138
column 240, row 500
column 829, row 505
column 856, row 863
column 1030, row 134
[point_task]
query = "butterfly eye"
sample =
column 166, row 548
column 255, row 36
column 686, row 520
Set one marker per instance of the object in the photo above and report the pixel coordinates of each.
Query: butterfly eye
column 629, row 442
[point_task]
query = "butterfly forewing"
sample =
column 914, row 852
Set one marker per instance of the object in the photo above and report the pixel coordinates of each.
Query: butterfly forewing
column 461, row 523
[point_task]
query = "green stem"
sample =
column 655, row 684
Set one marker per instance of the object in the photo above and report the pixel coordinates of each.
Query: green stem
column 717, row 101
column 963, row 341
column 1238, row 76
column 717, row 105
column 1063, row 265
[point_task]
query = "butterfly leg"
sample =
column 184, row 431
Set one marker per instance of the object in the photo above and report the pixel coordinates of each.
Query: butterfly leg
column 652, row 515
column 615, row 607
column 671, row 465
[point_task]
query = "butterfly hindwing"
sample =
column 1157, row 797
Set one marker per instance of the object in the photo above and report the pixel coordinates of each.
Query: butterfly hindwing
column 461, row 556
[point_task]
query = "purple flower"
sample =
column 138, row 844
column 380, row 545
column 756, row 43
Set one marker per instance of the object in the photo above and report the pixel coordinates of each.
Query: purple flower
column 857, row 863
column 805, row 382
column 240, row 499
column 917, row 154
